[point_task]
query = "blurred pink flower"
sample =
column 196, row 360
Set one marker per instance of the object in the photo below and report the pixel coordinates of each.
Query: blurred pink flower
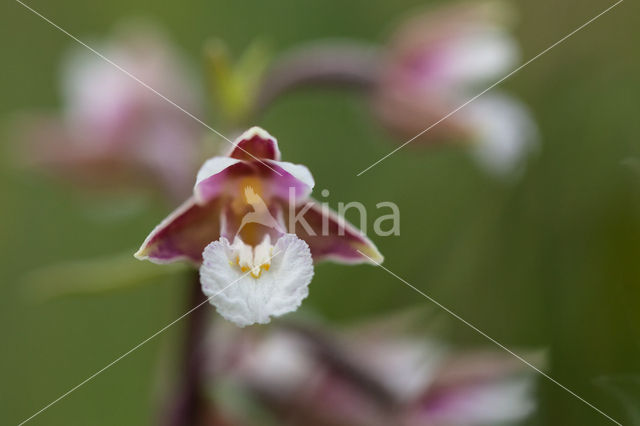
column 437, row 61
column 253, row 231
column 368, row 377
column 115, row 130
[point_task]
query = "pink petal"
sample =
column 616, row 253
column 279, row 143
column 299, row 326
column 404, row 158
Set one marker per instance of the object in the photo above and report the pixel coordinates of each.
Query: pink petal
column 340, row 241
column 256, row 144
column 477, row 403
column 255, row 155
column 290, row 179
column 223, row 175
column 183, row 234
column 478, row 388
column 216, row 174
column 46, row 143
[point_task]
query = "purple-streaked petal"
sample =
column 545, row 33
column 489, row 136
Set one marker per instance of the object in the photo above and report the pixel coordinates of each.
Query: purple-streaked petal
column 256, row 144
column 214, row 176
column 184, row 234
column 291, row 175
column 271, row 179
column 331, row 237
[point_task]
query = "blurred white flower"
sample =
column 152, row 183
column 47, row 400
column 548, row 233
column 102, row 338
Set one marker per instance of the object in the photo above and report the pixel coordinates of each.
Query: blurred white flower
column 435, row 63
column 504, row 132
column 369, row 377
column 115, row 130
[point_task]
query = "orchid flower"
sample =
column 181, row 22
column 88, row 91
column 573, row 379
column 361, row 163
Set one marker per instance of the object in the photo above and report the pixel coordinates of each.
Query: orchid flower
column 331, row 379
column 254, row 232
column 435, row 63
column 112, row 126
column 424, row 78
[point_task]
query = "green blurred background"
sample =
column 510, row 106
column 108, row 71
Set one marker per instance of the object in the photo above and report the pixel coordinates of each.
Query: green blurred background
column 550, row 261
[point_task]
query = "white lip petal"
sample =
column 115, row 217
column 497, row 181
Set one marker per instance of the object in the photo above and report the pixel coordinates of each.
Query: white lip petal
column 241, row 297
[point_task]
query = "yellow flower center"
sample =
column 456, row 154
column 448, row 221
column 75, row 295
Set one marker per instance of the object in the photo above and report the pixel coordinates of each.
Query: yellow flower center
column 253, row 259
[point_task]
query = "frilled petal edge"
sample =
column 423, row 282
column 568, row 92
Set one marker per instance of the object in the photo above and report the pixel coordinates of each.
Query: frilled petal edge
column 245, row 297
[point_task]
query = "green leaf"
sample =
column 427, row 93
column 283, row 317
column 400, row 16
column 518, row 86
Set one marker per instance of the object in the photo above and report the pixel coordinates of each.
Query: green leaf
column 93, row 276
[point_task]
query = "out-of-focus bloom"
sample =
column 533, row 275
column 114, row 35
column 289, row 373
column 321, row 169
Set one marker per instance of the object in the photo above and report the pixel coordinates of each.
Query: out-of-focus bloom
column 112, row 126
column 253, row 230
column 369, row 379
column 436, row 62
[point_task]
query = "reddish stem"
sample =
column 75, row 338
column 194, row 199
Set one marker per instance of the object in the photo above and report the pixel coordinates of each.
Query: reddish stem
column 187, row 404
